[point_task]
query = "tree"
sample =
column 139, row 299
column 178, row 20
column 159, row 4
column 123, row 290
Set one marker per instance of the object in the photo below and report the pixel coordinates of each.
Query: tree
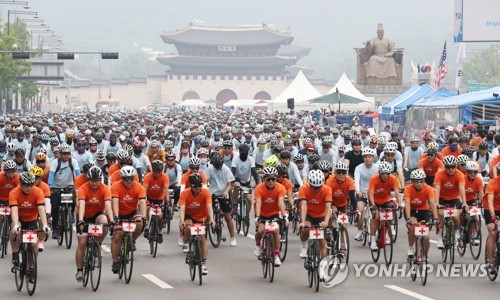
column 484, row 67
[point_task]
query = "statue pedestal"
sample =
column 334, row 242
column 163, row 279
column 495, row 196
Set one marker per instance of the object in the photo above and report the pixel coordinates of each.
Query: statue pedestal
column 360, row 69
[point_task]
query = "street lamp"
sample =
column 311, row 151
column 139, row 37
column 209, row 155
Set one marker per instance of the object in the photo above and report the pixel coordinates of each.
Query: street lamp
column 25, row 3
column 19, row 12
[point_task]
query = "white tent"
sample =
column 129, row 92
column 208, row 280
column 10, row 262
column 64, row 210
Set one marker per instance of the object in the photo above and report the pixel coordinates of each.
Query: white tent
column 192, row 103
column 300, row 89
column 246, row 103
column 345, row 86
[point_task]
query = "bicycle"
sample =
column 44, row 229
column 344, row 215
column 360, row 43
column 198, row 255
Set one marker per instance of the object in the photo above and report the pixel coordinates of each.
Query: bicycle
column 168, row 211
column 283, row 232
column 418, row 262
column 470, row 233
column 154, row 228
column 126, row 255
column 313, row 258
column 296, row 216
column 240, row 217
column 384, row 230
column 92, row 262
column 448, row 233
column 337, row 238
column 6, row 220
column 27, row 267
column 496, row 259
column 394, row 221
column 65, row 216
column 194, row 256
column 215, row 233
column 267, row 247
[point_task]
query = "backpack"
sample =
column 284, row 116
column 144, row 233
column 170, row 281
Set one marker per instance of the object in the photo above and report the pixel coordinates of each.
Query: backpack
column 70, row 163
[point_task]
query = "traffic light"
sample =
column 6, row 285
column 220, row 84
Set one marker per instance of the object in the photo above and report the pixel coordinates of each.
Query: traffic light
column 20, row 55
column 66, row 55
column 109, row 55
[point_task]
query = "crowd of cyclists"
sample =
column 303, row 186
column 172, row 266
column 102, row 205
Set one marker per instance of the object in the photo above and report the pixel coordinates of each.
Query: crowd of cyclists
column 119, row 165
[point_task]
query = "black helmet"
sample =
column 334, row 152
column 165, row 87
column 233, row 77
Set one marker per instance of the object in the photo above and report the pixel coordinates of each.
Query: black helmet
column 324, row 166
column 94, row 173
column 157, row 165
column 217, row 161
column 127, row 160
column 313, row 158
column 111, row 156
column 244, row 148
column 20, row 151
column 282, row 170
column 227, row 143
column 452, row 139
column 285, row 154
column 195, row 179
column 86, row 167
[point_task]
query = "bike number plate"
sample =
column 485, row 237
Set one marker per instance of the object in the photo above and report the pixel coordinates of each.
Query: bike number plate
column 342, row 218
column 154, row 211
column 4, row 210
column 129, row 226
column 271, row 227
column 95, row 230
column 421, row 230
column 386, row 215
column 316, row 234
column 197, row 229
column 66, row 198
column 30, row 237
column 474, row 211
column 449, row 212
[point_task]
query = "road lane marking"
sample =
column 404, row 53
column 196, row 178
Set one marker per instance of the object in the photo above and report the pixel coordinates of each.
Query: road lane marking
column 433, row 241
column 250, row 236
column 105, row 248
column 407, row 292
column 157, row 281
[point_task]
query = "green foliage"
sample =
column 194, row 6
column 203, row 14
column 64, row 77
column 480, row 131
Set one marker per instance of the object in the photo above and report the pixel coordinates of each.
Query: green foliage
column 484, row 67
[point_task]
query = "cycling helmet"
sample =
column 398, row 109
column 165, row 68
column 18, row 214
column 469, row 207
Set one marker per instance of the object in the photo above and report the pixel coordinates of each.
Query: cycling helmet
column 195, row 179
column 272, row 161
column 463, row 139
column 368, row 151
column 65, row 148
column 452, row 139
column 469, row 150
column 40, row 156
column 9, row 165
column 92, row 141
column 86, row 167
column 20, row 151
column 194, row 161
column 414, row 139
column 278, row 148
column 356, row 141
column 94, row 173
column 389, row 149
column 373, row 139
column 202, row 151
column 298, row 157
column 244, row 148
column 431, row 151
column 261, row 141
column 227, row 143
column 111, row 156
column 342, row 166
column 129, row 149
column 282, row 170
column 462, row 159
column 218, row 145
column 169, row 144
column 170, row 154
column 122, row 138
column 316, row 178
column 216, row 132
column 127, row 171
column 127, row 160
column 285, row 154
column 205, row 143
column 142, row 132
column 313, row 158
column 100, row 155
column 417, row 174
column 483, row 145
column 472, row 166
column 26, row 178
column 155, row 144
column 157, row 165
column 269, row 172
column 288, row 142
column 121, row 154
column 324, row 166
column 217, row 161
column 450, row 160
column 36, row 171
column 326, row 143
column 56, row 149
column 138, row 144
column 384, row 167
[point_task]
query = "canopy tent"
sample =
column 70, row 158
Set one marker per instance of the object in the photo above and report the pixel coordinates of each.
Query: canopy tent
column 247, row 103
column 336, row 98
column 345, row 86
column 409, row 96
column 192, row 103
column 210, row 101
column 300, row 89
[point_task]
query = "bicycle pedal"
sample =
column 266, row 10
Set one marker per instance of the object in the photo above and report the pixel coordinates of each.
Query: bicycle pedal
column 224, row 239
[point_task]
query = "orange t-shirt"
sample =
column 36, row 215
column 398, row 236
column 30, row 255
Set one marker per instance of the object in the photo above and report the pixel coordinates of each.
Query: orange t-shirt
column 79, row 181
column 419, row 200
column 472, row 187
column 449, row 184
column 45, row 189
column 115, row 177
column 196, row 206
column 269, row 199
column 46, row 171
column 7, row 185
column 340, row 191
column 493, row 164
column 27, row 205
column 382, row 190
column 493, row 188
column 447, row 151
column 315, row 202
column 287, row 184
column 94, row 199
column 156, row 187
column 128, row 198
column 113, row 168
column 159, row 155
column 431, row 168
column 185, row 179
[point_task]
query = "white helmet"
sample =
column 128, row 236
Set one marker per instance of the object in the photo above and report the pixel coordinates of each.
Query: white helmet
column 142, row 131
column 194, row 161
column 462, row 159
column 368, row 151
column 341, row 166
column 417, row 174
column 316, row 178
column 128, row 171
column 202, row 151
column 11, row 147
column 155, row 144
column 414, row 139
column 450, row 160
column 65, row 148
column 472, row 166
column 384, row 167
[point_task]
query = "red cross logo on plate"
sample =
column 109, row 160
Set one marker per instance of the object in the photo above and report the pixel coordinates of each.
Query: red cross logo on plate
column 422, row 230
column 386, row 215
column 450, row 212
column 129, row 226
column 271, row 225
column 316, row 233
column 95, row 229
column 342, row 218
column 30, row 238
column 198, row 230
column 474, row 210
column 156, row 210
column 5, row 210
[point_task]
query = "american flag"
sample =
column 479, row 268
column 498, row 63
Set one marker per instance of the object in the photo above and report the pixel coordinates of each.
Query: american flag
column 442, row 68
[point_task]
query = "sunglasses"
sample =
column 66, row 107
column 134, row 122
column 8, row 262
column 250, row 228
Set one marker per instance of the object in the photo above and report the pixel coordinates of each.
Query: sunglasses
column 194, row 168
column 341, row 172
column 418, row 181
column 40, row 161
column 450, row 167
column 385, row 173
column 270, row 179
column 66, row 153
column 99, row 180
column 430, row 155
column 196, row 186
column 128, row 179
column 228, row 147
column 389, row 154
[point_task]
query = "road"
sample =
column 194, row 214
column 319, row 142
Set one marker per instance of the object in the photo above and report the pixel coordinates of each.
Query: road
column 234, row 271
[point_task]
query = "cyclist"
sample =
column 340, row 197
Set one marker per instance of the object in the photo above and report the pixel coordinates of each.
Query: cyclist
column 491, row 204
column 22, row 164
column 419, row 199
column 483, row 157
column 243, row 168
column 41, row 161
column 293, row 171
column 27, row 204
column 220, row 178
column 281, row 178
column 397, row 166
column 125, row 161
column 174, row 172
column 379, row 194
column 452, row 149
column 431, row 165
column 156, row 185
column 269, row 202
column 301, row 166
column 38, row 173
column 412, row 156
column 9, row 180
column 94, row 198
column 194, row 167
column 342, row 187
column 127, row 194
column 316, row 207
column 259, row 153
column 354, row 157
column 449, row 189
column 196, row 207
column 143, row 160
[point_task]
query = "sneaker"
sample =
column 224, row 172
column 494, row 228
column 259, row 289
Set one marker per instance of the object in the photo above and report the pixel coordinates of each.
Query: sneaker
column 410, row 253
column 55, row 234
column 374, row 246
column 475, row 242
column 185, row 248
column 159, row 239
column 387, row 239
column 40, row 245
column 180, row 242
column 277, row 261
column 115, row 267
column 257, row 251
column 440, row 244
column 79, row 276
column 359, row 236
column 233, row 242
column 176, row 208
column 204, row 269
column 321, row 270
column 457, row 235
column 303, row 252
column 492, row 269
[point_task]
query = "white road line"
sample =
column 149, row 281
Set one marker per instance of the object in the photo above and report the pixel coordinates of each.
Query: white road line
column 251, row 236
column 157, row 281
column 407, row 292
column 106, row 248
column 433, row 241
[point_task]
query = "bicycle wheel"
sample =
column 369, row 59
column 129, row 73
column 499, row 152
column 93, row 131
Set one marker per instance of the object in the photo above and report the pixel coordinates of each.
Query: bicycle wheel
column 412, row 261
column 87, row 257
column 423, row 262
column 214, row 233
column 344, row 235
column 295, row 223
column 316, row 259
column 394, row 228
column 32, row 270
column 128, row 259
column 62, row 225
column 191, row 257
column 68, row 233
column 237, row 217
column 444, row 250
column 121, row 258
column 452, row 246
column 5, row 235
column 375, row 254
column 245, row 220
column 283, row 241
column 366, row 232
column 153, row 235
column 168, row 217
column 475, row 238
column 263, row 258
column 491, row 277
column 95, row 266
column 199, row 258
column 461, row 243
column 20, row 269
column 270, row 257
column 388, row 247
